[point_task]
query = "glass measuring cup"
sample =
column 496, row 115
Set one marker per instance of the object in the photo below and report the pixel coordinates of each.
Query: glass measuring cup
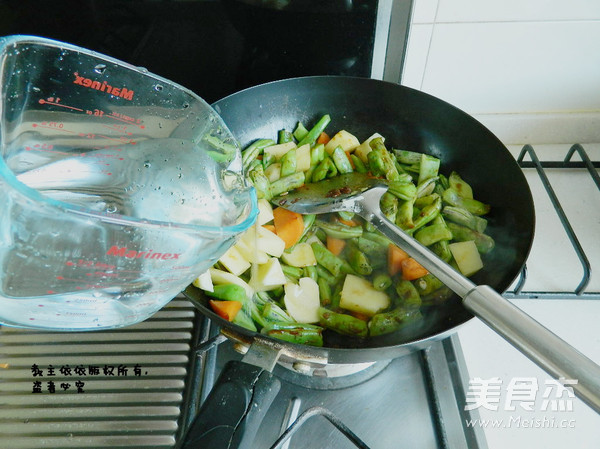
column 117, row 188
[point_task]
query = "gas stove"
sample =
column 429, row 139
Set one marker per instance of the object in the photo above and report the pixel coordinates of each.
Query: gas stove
column 414, row 401
column 141, row 386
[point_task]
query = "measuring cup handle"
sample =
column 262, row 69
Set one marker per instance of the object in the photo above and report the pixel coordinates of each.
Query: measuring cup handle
column 233, row 411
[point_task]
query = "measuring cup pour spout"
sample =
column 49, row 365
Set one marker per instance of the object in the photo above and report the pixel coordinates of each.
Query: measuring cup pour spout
column 115, row 193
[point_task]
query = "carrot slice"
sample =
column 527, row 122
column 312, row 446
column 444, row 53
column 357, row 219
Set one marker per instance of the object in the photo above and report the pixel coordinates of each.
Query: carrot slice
column 288, row 225
column 350, row 160
column 323, row 138
column 270, row 227
column 395, row 258
column 225, row 309
column 411, row 269
column 335, row 245
column 351, row 223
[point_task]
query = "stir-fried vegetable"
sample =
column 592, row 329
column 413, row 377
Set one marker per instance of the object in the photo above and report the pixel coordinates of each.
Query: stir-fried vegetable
column 292, row 276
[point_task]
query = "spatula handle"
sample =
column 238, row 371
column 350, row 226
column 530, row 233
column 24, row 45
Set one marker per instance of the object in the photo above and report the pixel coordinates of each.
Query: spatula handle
column 535, row 341
column 539, row 344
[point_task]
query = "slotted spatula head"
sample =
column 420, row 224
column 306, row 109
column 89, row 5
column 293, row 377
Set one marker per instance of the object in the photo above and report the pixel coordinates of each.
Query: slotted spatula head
column 341, row 193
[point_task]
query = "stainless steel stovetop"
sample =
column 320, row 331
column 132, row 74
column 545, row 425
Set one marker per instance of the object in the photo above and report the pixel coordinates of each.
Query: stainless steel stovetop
column 140, row 386
column 415, row 401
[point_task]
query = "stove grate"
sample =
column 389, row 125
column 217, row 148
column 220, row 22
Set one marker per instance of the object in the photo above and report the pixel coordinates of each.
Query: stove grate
column 581, row 291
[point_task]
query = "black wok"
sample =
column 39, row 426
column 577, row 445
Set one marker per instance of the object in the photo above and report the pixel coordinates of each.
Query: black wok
column 410, row 120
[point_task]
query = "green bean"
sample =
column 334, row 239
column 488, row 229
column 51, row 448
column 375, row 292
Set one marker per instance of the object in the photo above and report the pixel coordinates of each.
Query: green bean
column 294, row 273
column 369, row 227
column 253, row 150
column 453, row 198
column 427, row 284
column 403, row 190
column 459, row 184
column 278, row 293
column 251, row 309
column 376, row 163
column 404, row 217
column 272, row 312
column 408, row 157
column 325, row 169
column 300, row 132
column 426, row 200
column 336, row 296
column 287, row 183
column 341, row 161
column 342, row 323
column 378, row 238
column 370, row 247
column 389, row 167
column 320, row 234
column 317, row 154
column 389, row 206
column 382, row 281
column 359, row 165
column 339, row 230
column 227, row 150
column 242, row 319
column 302, row 334
column 373, row 251
column 284, row 136
column 483, row 242
column 218, row 156
column 288, row 163
column 426, row 187
column 462, row 216
column 268, row 159
column 346, row 215
column 255, row 164
column 332, row 263
column 311, row 272
column 324, row 291
column 443, row 181
column 261, row 298
column 308, row 220
column 437, row 297
column 408, row 294
column 428, row 235
column 308, row 174
column 324, row 274
column 315, row 131
column 289, row 325
column 359, row 261
column 427, row 214
column 260, row 182
column 387, row 322
column 228, row 292
column 429, row 167
column 442, row 250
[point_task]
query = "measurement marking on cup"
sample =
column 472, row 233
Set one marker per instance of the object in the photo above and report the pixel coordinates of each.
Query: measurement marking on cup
column 49, row 149
column 53, row 125
column 124, row 140
column 55, row 101
column 126, row 119
column 119, row 128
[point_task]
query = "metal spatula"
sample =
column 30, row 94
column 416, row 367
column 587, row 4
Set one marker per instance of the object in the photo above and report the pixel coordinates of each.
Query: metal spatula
column 361, row 194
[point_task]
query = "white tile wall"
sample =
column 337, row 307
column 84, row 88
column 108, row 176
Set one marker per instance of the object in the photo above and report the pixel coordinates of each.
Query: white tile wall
column 494, row 59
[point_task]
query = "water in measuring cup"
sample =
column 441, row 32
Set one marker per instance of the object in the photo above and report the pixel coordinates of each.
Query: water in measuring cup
column 169, row 180
column 57, row 271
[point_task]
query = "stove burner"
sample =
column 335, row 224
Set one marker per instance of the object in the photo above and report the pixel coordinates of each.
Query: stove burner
column 330, row 377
